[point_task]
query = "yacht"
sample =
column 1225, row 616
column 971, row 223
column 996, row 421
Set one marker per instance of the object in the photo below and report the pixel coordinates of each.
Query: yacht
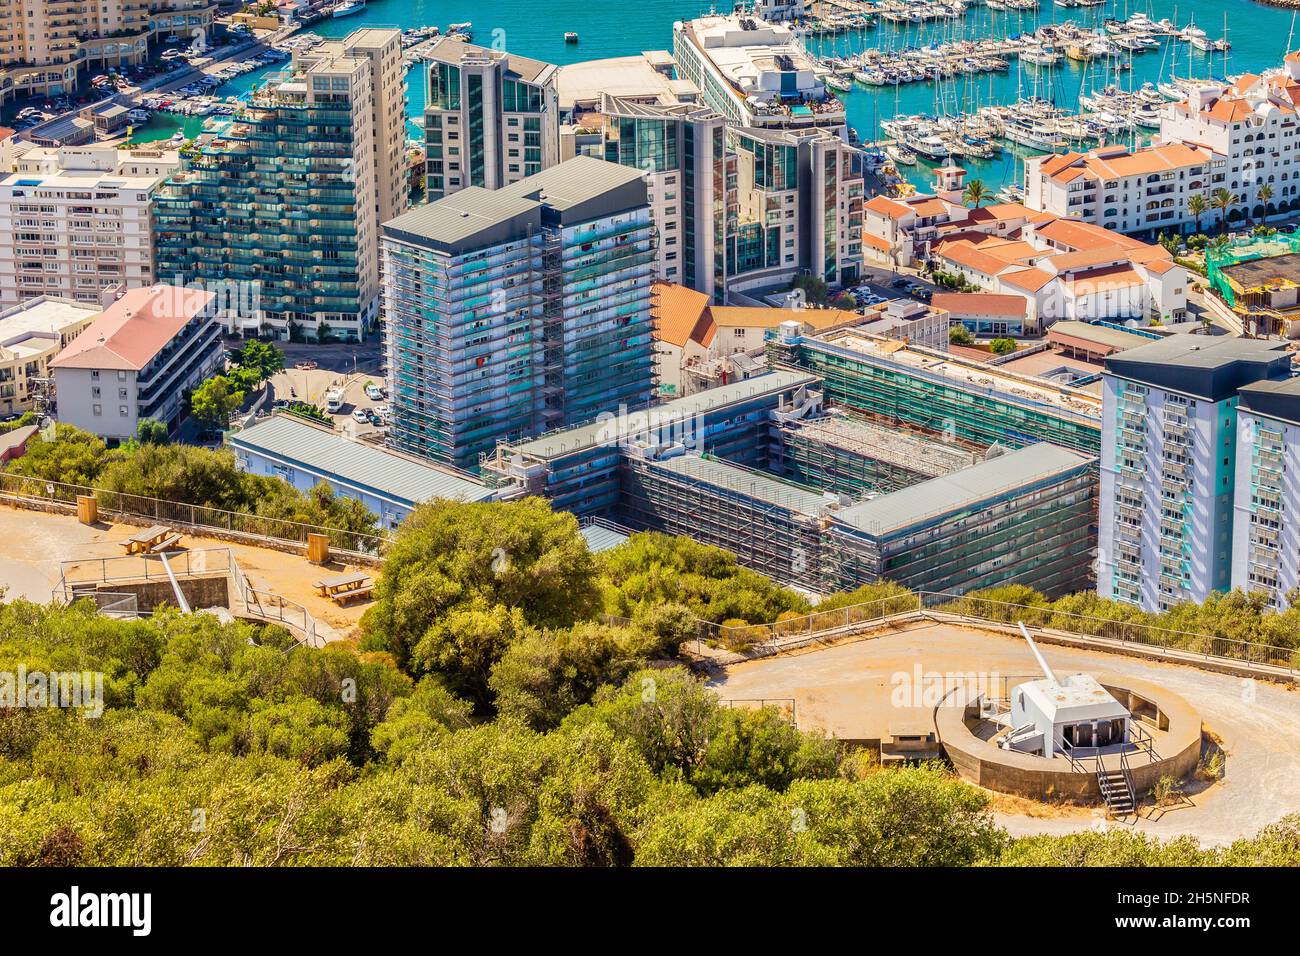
column 901, row 154
column 349, row 7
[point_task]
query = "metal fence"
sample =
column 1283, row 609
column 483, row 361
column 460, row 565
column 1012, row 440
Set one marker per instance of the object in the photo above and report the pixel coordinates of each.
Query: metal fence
column 194, row 518
column 787, row 634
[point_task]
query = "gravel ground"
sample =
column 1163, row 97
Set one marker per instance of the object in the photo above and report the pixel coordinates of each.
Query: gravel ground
column 846, row 690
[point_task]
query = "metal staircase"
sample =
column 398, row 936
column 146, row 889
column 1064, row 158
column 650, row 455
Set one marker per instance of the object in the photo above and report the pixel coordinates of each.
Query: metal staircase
column 1117, row 788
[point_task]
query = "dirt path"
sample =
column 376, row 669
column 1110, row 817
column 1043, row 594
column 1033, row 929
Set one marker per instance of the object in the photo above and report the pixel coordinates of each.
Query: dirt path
column 847, row 689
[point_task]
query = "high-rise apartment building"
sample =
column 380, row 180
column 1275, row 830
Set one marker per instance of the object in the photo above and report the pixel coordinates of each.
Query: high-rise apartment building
column 1169, row 465
column 1266, row 509
column 76, row 220
column 490, row 117
column 796, row 208
column 756, row 73
column 286, row 197
column 514, row 311
column 43, row 43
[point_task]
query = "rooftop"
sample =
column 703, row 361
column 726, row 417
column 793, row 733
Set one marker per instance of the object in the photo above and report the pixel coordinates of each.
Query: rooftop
column 1211, row 368
column 36, row 324
column 977, row 376
column 1276, row 399
column 451, row 51
column 751, row 484
column 613, row 431
column 636, row 77
column 130, row 332
column 391, row 476
column 964, row 489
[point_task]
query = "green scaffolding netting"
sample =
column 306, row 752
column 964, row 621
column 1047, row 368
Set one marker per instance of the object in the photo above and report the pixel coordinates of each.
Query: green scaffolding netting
column 1244, row 250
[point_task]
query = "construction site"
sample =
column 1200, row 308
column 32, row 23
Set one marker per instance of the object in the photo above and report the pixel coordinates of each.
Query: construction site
column 828, row 498
column 1260, row 280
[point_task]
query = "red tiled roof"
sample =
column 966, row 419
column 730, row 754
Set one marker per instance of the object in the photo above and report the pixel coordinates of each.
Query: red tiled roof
column 135, row 328
column 980, row 303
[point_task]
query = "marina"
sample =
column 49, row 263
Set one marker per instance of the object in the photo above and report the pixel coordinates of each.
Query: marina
column 981, row 76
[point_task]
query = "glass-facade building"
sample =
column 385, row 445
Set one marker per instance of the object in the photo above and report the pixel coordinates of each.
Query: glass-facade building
column 516, row 311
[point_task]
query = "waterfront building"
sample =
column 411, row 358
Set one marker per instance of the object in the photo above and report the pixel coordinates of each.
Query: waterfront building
column 389, row 483
column 1066, row 269
column 31, row 335
column 900, row 232
column 631, row 111
column 44, row 43
column 137, row 360
column 1169, row 464
column 520, row 310
column 490, row 117
column 1131, row 191
column 283, row 200
column 1250, row 125
column 796, row 209
column 756, row 73
column 1266, row 500
column 76, row 220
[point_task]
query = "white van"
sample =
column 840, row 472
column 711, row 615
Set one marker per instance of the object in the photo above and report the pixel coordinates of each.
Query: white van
column 334, row 401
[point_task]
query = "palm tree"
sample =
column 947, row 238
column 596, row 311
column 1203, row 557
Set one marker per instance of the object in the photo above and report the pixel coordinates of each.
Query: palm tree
column 1264, row 194
column 1197, row 205
column 1223, row 200
column 976, row 192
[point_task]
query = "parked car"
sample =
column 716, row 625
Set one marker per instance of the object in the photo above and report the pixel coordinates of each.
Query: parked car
column 899, row 283
column 360, row 415
column 374, row 392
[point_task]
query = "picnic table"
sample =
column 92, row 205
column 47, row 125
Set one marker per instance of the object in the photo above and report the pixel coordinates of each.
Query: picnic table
column 151, row 540
column 344, row 587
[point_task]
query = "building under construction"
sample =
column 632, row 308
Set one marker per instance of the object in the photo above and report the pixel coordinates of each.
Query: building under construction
column 823, row 500
column 855, row 457
column 1260, row 280
column 894, row 383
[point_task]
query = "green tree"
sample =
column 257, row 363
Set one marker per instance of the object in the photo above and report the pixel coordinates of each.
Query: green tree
column 151, row 432
column 1225, row 201
column 501, row 569
column 1198, row 206
column 73, row 456
column 976, row 193
column 215, row 400
column 263, row 357
column 1002, row 346
column 1264, row 193
column 958, row 334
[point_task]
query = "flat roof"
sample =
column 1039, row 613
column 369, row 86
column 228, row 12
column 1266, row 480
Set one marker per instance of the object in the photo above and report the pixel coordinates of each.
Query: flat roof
column 1277, row 399
column 1265, row 272
column 615, row 430
column 977, row 376
column 620, row 76
column 744, row 481
column 961, row 489
column 392, row 476
column 576, row 182
column 1211, row 368
column 45, row 319
column 470, row 218
column 1098, row 334
column 447, row 50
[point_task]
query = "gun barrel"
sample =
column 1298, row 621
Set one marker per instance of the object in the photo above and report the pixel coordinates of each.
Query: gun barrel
column 1042, row 664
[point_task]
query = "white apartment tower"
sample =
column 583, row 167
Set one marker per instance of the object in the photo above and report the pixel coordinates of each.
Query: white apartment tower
column 1169, row 465
column 77, row 219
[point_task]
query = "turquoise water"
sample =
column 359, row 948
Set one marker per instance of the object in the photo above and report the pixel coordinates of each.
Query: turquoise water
column 1259, row 38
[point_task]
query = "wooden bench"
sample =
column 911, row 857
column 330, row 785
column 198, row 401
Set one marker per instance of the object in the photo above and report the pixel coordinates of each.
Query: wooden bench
column 344, row 587
column 147, row 539
column 343, row 597
column 166, row 544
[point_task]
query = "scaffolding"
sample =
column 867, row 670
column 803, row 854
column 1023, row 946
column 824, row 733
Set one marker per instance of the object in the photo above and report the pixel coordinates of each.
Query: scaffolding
column 1235, row 253
column 937, row 394
column 858, row 458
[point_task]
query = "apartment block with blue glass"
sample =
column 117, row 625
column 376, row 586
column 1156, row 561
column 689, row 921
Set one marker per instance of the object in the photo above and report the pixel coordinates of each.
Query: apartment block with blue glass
column 277, row 208
column 1169, row 465
column 515, row 311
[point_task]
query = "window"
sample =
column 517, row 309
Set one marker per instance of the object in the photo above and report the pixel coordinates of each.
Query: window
column 97, row 409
